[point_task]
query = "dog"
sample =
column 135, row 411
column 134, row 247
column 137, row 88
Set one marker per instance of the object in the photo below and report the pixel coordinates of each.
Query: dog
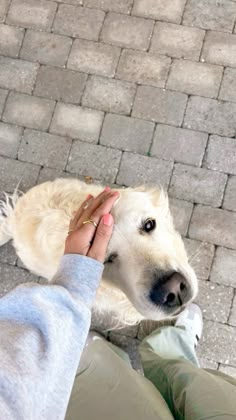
column 146, row 274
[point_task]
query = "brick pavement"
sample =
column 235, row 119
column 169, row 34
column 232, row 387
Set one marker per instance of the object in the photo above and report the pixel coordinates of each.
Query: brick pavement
column 127, row 92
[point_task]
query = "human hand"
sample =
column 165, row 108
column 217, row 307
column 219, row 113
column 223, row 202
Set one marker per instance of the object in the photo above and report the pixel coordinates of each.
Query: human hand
column 91, row 228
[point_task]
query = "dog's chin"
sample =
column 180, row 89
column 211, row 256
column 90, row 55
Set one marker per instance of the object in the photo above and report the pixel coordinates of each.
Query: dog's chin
column 157, row 313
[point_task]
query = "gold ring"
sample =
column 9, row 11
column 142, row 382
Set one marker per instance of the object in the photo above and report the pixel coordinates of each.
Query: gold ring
column 91, row 222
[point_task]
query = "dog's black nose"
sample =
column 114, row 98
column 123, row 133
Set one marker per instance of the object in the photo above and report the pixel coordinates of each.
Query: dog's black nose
column 169, row 290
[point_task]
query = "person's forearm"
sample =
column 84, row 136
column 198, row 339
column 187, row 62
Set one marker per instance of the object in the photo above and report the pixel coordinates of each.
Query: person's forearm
column 42, row 334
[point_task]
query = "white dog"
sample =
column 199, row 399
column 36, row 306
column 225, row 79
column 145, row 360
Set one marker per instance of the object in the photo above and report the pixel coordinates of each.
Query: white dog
column 146, row 275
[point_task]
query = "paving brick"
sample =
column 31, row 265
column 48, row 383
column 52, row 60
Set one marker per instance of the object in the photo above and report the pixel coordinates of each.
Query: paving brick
column 10, row 40
column 224, row 267
column 44, row 149
column 10, row 136
column 228, row 86
column 220, row 48
column 201, row 256
column 218, row 161
column 121, row 6
column 29, row 111
column 169, row 10
column 136, row 169
column 37, row 14
column 50, row 174
column 77, row 122
column 8, row 254
column 144, row 68
column 207, row 363
column 127, row 31
column 3, row 96
column 79, row 22
column 59, row 84
column 94, row 160
column 127, row 133
column 17, row 74
column 195, row 78
column 215, row 301
column 11, row 277
column 109, row 95
column 94, row 57
column 159, row 105
column 210, row 14
column 232, row 318
column 178, row 144
column 213, row 225
column 228, row 370
column 197, row 185
column 13, row 172
column 4, row 5
column 181, row 212
column 46, row 48
column 210, row 115
column 230, row 194
column 209, row 347
column 177, row 41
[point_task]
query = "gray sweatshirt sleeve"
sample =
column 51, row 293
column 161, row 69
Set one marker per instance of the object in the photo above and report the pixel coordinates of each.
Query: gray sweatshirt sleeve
column 42, row 334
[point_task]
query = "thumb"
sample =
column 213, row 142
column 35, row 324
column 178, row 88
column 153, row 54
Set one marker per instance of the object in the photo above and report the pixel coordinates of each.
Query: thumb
column 101, row 239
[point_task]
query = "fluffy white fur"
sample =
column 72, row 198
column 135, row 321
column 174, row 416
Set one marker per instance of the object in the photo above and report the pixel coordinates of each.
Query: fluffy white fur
column 38, row 223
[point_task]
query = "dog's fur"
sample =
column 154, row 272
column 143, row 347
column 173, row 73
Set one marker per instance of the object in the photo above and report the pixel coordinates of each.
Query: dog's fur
column 38, row 223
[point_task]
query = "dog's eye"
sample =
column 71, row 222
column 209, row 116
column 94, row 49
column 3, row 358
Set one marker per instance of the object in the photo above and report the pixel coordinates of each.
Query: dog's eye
column 149, row 225
column 111, row 258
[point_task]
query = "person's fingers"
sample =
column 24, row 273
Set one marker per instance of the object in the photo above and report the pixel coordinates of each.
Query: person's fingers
column 94, row 205
column 77, row 214
column 104, row 208
column 101, row 238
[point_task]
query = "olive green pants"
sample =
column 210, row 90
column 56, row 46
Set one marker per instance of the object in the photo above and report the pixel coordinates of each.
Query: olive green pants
column 174, row 387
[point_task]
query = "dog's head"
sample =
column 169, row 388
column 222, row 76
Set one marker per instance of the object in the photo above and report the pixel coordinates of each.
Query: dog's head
column 146, row 257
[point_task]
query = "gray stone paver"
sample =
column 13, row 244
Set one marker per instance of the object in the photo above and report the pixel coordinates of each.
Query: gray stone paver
column 143, row 68
column 181, row 211
column 211, row 116
column 159, row 105
column 17, row 74
column 177, row 41
column 78, row 21
column 46, row 48
column 37, row 14
column 198, row 185
column 195, row 78
column 44, row 149
column 210, row 14
column 169, row 10
column 112, row 79
column 179, row 145
column 129, row 134
column 94, row 57
column 230, row 196
column 220, row 48
column 60, row 84
column 29, row 111
column 127, row 31
column 10, row 136
column 10, row 40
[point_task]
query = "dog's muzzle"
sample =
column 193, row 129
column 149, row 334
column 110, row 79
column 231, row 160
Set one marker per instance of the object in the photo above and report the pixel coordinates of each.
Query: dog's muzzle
column 170, row 291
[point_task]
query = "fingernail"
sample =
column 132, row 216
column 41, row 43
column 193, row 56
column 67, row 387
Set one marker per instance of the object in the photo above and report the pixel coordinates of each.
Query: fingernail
column 89, row 197
column 107, row 219
column 107, row 189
